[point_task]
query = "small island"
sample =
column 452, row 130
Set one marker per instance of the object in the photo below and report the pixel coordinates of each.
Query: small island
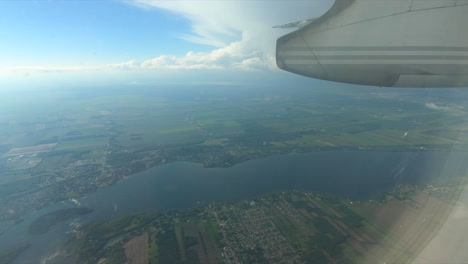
column 43, row 223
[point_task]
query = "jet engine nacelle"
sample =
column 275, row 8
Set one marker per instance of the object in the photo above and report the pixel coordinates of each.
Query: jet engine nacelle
column 392, row 43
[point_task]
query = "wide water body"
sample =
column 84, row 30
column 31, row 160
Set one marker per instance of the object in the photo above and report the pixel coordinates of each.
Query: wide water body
column 351, row 174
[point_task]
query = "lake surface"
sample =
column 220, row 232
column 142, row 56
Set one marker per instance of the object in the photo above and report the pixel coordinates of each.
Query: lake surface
column 352, row 174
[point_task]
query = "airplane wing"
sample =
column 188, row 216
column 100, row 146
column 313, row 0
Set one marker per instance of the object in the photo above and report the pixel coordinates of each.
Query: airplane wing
column 392, row 43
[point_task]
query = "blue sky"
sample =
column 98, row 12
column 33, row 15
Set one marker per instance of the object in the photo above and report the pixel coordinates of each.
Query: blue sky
column 136, row 40
column 94, row 32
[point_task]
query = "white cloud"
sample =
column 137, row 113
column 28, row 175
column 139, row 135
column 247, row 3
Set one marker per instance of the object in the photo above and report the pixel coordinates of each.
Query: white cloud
column 436, row 107
column 169, row 62
column 234, row 56
column 46, row 68
column 129, row 65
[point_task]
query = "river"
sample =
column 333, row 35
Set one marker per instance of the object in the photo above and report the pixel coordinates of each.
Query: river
column 352, row 174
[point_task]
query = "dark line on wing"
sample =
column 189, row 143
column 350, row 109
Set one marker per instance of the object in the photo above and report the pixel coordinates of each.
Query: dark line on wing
column 314, row 56
column 394, row 14
column 383, row 48
column 463, row 66
column 375, row 57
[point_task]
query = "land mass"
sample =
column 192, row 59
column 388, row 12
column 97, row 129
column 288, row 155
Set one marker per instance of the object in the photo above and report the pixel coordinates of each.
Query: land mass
column 83, row 140
column 292, row 226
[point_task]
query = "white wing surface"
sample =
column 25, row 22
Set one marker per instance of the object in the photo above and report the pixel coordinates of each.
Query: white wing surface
column 394, row 43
